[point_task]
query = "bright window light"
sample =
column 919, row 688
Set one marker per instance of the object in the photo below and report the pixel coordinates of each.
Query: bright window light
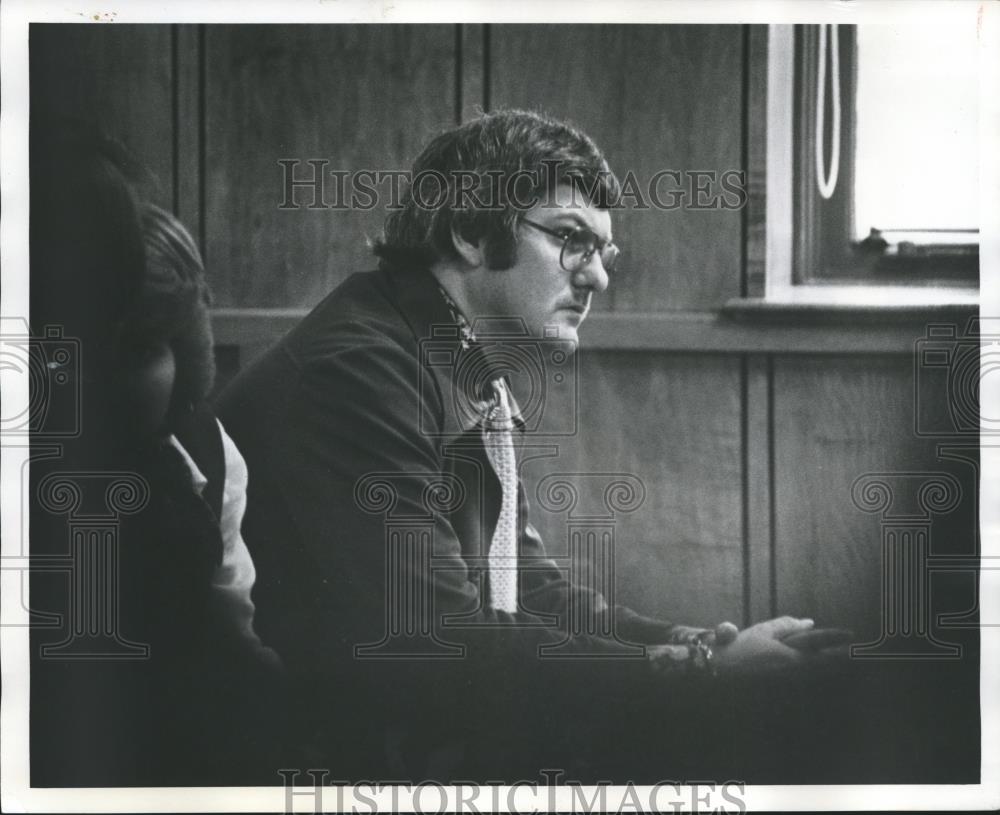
column 917, row 119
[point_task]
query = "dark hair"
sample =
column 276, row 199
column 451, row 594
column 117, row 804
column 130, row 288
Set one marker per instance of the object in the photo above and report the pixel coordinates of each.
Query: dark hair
column 174, row 301
column 533, row 151
column 87, row 256
column 108, row 268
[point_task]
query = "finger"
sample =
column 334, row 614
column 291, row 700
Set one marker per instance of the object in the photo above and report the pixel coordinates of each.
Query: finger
column 782, row 626
column 725, row 633
column 816, row 639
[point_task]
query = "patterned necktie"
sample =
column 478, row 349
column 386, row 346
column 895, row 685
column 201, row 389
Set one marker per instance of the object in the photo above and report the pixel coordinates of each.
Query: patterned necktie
column 499, row 442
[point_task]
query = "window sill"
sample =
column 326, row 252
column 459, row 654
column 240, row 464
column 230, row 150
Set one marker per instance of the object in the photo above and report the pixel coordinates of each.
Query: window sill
column 836, row 303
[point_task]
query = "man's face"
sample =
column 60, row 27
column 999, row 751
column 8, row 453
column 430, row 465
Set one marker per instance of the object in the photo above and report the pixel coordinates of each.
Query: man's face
column 552, row 301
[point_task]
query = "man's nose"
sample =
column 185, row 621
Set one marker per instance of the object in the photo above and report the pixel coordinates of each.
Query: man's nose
column 592, row 274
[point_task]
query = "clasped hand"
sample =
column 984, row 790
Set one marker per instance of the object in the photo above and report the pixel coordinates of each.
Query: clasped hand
column 773, row 646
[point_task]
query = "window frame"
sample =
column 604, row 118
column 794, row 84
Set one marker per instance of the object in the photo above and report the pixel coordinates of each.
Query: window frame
column 789, row 275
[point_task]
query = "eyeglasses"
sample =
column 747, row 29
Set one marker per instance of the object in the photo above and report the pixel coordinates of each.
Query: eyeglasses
column 579, row 245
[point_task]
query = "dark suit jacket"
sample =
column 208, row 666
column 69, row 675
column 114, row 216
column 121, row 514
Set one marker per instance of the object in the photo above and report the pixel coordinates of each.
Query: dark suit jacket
column 371, row 505
column 189, row 712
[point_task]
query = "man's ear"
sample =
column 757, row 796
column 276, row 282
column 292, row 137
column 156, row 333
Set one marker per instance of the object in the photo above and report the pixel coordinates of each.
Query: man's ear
column 471, row 253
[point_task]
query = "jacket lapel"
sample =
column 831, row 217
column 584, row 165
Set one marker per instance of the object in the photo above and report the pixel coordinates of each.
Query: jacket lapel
column 445, row 365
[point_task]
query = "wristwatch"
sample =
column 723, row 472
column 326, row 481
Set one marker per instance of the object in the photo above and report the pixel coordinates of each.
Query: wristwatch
column 700, row 655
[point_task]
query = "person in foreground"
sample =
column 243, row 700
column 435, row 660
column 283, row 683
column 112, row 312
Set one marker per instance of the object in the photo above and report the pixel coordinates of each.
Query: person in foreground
column 164, row 686
column 385, row 416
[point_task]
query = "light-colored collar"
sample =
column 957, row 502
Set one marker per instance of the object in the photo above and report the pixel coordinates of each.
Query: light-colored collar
column 198, row 480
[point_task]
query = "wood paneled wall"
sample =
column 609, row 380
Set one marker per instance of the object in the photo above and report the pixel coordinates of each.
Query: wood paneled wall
column 843, row 417
column 747, row 454
column 673, row 422
column 122, row 76
column 655, row 98
column 357, row 96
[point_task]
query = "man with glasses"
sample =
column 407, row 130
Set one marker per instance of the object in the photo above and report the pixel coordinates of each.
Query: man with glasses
column 399, row 576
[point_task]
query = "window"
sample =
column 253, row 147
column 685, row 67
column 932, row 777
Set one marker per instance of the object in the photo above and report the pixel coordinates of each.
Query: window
column 871, row 151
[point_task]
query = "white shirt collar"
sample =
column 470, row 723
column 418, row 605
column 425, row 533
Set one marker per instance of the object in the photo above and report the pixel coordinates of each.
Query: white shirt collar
column 198, row 480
